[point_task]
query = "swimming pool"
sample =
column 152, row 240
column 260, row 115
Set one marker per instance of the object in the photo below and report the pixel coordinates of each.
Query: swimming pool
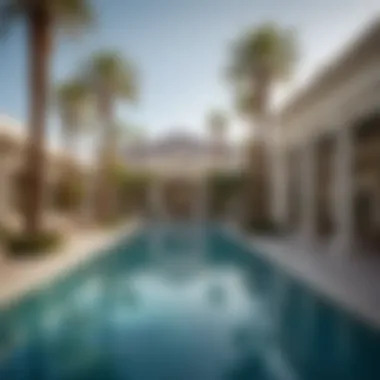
column 205, row 309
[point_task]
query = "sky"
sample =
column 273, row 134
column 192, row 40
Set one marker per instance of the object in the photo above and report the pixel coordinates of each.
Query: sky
column 181, row 49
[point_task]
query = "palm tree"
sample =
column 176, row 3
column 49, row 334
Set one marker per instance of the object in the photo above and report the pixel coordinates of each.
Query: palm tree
column 124, row 135
column 73, row 102
column 43, row 19
column 261, row 58
column 72, row 99
column 112, row 78
column 246, row 105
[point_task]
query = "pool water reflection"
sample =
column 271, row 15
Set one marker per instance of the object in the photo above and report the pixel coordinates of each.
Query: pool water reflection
column 147, row 325
column 222, row 315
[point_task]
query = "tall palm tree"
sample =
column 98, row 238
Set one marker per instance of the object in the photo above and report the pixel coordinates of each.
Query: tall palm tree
column 72, row 99
column 261, row 58
column 113, row 79
column 73, row 102
column 43, row 19
column 124, row 135
column 246, row 104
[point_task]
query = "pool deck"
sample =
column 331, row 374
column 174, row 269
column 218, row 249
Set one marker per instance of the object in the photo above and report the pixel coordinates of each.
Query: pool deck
column 19, row 276
column 353, row 281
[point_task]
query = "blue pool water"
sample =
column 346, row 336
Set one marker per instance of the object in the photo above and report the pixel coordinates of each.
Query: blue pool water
column 188, row 310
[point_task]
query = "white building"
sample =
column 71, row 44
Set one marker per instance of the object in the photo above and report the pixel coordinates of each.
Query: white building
column 327, row 158
column 182, row 153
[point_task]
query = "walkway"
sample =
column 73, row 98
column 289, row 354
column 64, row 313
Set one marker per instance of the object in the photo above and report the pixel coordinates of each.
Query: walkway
column 19, row 276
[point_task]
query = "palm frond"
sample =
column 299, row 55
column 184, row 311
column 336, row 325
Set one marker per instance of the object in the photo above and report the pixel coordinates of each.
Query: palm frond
column 72, row 99
column 266, row 48
column 260, row 57
column 71, row 15
column 110, row 72
column 10, row 10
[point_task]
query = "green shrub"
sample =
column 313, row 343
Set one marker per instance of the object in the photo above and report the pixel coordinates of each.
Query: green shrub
column 21, row 244
column 67, row 194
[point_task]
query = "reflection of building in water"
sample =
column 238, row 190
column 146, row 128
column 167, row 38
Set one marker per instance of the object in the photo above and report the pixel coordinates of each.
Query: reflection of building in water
column 327, row 161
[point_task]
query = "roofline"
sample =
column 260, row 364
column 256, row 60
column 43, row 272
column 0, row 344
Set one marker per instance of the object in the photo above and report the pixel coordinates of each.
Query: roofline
column 13, row 129
column 350, row 47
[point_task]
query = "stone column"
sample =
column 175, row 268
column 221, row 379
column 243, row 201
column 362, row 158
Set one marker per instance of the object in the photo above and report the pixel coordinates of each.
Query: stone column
column 308, row 192
column 343, row 192
column 279, row 182
column 275, row 176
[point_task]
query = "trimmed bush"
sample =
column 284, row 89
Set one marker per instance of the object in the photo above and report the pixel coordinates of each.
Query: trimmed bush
column 25, row 245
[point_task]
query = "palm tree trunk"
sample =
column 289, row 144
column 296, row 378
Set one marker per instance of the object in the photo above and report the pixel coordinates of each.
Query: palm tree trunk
column 105, row 177
column 258, row 160
column 88, row 199
column 67, row 174
column 39, row 55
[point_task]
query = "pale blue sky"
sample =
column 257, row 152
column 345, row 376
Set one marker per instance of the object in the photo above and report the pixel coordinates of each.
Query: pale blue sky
column 181, row 48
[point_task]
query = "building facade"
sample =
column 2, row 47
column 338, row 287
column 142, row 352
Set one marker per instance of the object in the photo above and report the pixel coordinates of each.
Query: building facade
column 326, row 154
column 182, row 153
column 179, row 166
